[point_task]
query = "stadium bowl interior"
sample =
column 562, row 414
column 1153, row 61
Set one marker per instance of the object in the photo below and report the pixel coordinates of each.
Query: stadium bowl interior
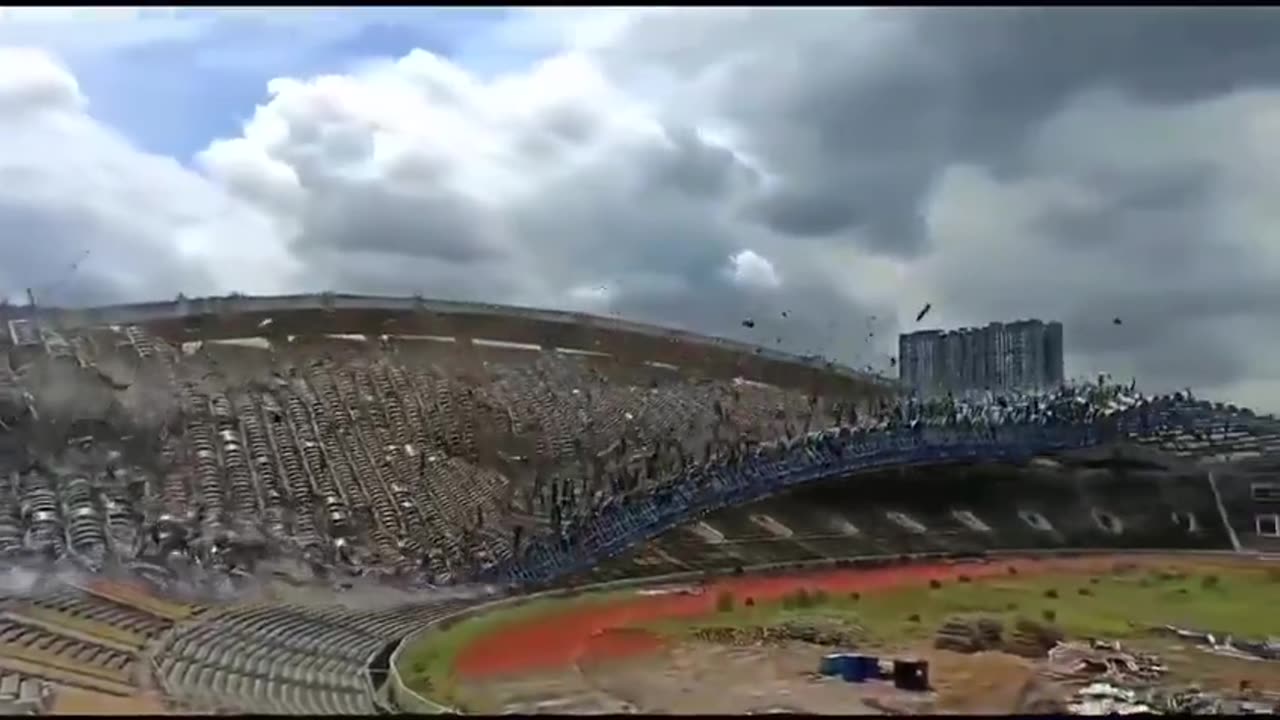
column 243, row 504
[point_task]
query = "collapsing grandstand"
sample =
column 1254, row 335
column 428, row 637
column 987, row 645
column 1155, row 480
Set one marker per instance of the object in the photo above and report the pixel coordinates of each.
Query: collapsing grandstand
column 210, row 448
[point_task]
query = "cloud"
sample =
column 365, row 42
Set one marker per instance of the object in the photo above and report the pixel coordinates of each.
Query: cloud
column 84, row 217
column 672, row 166
column 748, row 269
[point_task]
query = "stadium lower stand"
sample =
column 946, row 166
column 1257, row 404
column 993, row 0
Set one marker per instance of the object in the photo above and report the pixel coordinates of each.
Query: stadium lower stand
column 965, row 509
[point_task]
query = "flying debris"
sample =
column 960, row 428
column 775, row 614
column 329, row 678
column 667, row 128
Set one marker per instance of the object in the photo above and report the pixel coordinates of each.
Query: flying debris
column 1117, row 321
column 893, row 362
column 924, row 311
column 784, row 313
column 748, row 323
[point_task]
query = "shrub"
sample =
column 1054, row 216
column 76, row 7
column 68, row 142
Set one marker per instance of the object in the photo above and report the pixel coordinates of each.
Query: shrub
column 1011, row 606
column 855, row 596
column 1049, row 615
column 1209, row 582
column 749, row 602
column 935, row 584
column 1085, row 591
column 724, row 602
column 1013, row 570
column 1093, row 581
column 1051, row 593
column 913, row 617
column 964, row 579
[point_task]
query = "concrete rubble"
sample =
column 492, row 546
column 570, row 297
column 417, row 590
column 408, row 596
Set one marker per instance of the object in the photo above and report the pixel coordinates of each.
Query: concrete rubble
column 1104, row 660
column 1122, row 682
column 1106, row 699
column 1225, row 644
column 1103, row 698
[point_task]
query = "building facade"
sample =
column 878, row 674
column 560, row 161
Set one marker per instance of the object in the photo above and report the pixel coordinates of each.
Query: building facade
column 1024, row 355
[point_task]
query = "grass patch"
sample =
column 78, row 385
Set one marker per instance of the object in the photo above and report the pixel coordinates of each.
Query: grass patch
column 1236, row 600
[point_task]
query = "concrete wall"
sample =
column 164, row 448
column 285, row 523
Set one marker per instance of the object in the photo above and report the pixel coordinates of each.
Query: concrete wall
column 242, row 316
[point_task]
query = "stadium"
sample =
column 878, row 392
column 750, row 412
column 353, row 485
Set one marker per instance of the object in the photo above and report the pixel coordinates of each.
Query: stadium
column 278, row 504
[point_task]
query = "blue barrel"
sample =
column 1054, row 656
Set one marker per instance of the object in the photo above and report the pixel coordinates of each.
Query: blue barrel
column 829, row 665
column 870, row 666
column 853, row 669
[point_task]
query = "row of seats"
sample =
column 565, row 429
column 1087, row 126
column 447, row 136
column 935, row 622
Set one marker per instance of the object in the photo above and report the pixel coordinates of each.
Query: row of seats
column 397, row 455
column 65, row 659
column 830, row 454
column 276, row 658
column 877, row 515
column 129, row 625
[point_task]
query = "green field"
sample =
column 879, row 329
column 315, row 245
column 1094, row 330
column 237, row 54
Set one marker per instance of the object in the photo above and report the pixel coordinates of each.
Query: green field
column 1239, row 600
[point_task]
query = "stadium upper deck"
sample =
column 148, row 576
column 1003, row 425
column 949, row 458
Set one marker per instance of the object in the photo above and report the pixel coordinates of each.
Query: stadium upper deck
column 237, row 316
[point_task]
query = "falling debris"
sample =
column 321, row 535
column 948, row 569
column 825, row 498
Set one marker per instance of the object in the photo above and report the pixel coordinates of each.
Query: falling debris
column 748, row 323
column 1117, row 321
column 924, row 311
column 784, row 313
column 893, row 362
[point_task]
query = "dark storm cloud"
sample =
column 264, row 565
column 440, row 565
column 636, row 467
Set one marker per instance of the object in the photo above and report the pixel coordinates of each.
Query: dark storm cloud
column 436, row 224
column 66, row 258
column 861, row 116
column 857, row 121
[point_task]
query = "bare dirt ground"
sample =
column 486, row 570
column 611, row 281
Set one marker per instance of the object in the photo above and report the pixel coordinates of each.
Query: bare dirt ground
column 698, row 678
column 689, row 678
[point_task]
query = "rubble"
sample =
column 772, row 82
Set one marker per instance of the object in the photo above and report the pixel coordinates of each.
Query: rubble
column 1228, row 645
column 1103, row 659
column 1105, row 699
column 1102, row 698
column 969, row 635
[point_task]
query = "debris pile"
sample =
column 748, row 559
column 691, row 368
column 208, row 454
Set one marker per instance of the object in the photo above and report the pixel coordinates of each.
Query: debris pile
column 1221, row 644
column 1105, row 660
column 1103, row 698
column 1031, row 639
column 969, row 635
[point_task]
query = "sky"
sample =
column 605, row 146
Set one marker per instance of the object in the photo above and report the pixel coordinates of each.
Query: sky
column 690, row 167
